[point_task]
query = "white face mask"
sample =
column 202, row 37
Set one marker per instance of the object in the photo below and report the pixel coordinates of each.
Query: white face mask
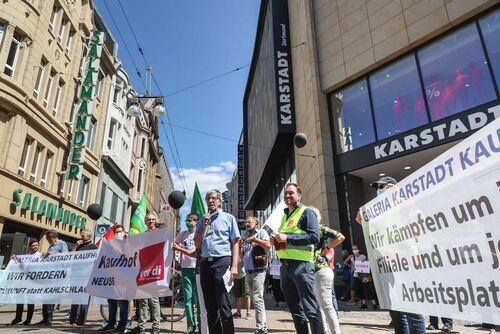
column 380, row 191
column 120, row 235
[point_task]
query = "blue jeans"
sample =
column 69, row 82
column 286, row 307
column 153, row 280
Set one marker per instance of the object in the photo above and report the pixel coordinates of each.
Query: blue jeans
column 297, row 284
column 334, row 299
column 113, row 305
column 407, row 323
column 73, row 313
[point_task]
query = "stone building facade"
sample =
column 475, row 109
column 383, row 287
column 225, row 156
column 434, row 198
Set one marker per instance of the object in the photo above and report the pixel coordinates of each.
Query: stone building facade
column 366, row 78
column 42, row 47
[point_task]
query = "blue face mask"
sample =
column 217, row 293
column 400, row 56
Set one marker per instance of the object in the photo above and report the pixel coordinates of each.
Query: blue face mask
column 380, row 191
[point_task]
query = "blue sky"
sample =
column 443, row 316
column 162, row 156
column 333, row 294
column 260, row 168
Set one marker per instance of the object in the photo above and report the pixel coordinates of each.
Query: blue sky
column 187, row 42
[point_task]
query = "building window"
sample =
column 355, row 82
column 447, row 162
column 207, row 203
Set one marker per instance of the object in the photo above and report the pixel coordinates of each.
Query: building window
column 103, row 195
column 143, row 147
column 117, row 93
column 36, row 161
column 70, row 190
column 46, row 167
column 24, row 156
column 114, row 208
column 62, row 28
column 2, row 30
column 39, row 78
column 48, row 89
column 67, row 49
column 57, row 97
column 455, row 74
column 398, row 102
column 83, row 189
column 111, row 133
column 352, row 115
column 13, row 55
column 53, row 18
column 139, row 181
column 91, row 133
column 100, row 80
column 490, row 27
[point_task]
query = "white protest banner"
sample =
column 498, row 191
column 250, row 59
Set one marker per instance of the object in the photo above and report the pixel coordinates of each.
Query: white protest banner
column 273, row 222
column 433, row 239
column 134, row 268
column 57, row 279
column 362, row 267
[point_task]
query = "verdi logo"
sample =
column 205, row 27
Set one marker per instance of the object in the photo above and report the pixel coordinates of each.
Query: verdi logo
column 152, row 264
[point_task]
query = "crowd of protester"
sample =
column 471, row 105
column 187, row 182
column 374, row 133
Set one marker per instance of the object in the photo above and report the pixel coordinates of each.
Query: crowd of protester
column 212, row 243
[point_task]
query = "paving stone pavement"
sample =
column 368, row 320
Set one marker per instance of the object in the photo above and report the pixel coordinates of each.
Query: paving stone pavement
column 352, row 320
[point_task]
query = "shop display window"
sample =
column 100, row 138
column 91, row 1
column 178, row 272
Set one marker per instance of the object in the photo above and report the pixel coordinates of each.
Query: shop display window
column 455, row 74
column 352, row 114
column 490, row 28
column 398, row 102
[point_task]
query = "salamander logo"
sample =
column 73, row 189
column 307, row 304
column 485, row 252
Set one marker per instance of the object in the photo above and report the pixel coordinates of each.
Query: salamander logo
column 152, row 264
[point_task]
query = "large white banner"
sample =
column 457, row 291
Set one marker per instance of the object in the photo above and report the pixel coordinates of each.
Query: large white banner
column 433, row 239
column 136, row 267
column 57, row 279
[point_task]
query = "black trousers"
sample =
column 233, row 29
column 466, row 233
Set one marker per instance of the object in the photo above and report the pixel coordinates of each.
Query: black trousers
column 47, row 312
column 20, row 309
column 217, row 299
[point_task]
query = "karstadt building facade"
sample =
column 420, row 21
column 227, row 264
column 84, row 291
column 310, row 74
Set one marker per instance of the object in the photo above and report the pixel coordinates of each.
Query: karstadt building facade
column 380, row 87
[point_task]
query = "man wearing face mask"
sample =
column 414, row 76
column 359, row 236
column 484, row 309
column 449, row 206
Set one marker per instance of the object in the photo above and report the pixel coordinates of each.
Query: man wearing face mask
column 404, row 322
column 114, row 304
column 184, row 243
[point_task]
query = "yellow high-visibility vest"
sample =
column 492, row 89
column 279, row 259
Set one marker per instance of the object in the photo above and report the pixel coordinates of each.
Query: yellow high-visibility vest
column 289, row 226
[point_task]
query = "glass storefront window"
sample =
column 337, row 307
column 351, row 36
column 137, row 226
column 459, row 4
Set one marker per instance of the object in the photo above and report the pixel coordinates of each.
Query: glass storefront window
column 455, row 74
column 398, row 102
column 490, row 27
column 352, row 114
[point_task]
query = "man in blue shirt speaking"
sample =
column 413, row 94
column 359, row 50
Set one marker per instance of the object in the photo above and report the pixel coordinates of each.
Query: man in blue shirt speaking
column 217, row 235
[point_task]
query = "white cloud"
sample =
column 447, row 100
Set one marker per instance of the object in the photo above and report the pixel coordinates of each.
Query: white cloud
column 207, row 177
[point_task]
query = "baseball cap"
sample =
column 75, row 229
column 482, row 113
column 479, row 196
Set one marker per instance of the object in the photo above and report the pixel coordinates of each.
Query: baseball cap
column 384, row 180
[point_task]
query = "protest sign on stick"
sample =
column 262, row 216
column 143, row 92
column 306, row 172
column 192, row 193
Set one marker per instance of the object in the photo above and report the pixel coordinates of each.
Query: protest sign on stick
column 134, row 268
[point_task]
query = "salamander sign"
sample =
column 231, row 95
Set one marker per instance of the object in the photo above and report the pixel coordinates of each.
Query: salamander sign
column 79, row 141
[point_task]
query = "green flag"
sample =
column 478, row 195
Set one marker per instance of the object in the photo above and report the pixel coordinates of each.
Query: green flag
column 137, row 222
column 197, row 205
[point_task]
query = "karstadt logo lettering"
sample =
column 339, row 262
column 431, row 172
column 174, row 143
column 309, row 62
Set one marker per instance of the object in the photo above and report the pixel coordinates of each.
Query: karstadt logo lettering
column 152, row 264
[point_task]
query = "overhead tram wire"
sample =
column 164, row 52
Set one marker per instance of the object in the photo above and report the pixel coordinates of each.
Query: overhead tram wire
column 141, row 51
column 138, row 73
column 125, row 44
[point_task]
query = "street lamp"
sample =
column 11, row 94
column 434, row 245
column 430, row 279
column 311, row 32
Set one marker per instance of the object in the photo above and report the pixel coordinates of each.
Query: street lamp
column 148, row 103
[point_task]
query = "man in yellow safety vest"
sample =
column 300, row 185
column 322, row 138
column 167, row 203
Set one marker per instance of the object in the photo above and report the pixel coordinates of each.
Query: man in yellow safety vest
column 297, row 236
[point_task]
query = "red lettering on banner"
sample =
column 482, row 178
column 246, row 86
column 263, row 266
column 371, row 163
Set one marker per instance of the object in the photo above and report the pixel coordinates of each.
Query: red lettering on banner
column 152, row 264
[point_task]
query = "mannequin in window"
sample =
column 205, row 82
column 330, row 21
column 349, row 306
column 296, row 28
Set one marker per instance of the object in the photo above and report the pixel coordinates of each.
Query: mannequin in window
column 476, row 80
column 399, row 111
column 448, row 100
column 460, row 89
column 419, row 111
